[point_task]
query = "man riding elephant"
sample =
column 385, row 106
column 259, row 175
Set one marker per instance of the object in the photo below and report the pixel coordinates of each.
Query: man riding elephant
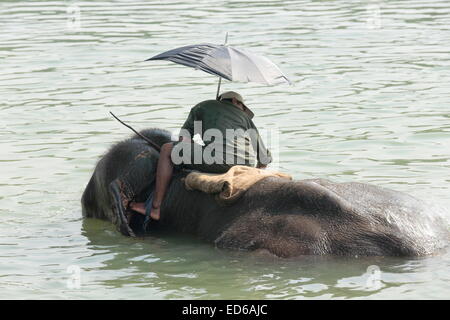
column 287, row 218
column 236, row 142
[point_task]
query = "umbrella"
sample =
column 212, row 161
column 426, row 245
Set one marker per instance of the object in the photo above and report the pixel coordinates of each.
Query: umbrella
column 226, row 62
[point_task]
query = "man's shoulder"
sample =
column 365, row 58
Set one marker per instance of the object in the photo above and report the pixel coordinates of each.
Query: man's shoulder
column 206, row 105
column 207, row 102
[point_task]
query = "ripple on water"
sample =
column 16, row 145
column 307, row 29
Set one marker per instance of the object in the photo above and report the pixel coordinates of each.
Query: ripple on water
column 369, row 104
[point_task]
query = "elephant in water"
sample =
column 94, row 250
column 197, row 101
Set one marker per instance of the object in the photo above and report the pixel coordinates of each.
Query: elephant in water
column 285, row 218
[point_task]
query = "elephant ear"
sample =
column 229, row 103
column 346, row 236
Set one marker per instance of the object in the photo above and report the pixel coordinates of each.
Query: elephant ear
column 120, row 202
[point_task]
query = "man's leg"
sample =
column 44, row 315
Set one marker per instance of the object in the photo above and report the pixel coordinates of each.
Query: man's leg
column 163, row 175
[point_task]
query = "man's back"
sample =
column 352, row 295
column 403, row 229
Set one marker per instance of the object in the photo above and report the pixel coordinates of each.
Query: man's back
column 222, row 125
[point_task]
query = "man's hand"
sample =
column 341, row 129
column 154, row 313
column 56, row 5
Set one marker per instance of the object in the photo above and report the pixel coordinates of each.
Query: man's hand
column 261, row 166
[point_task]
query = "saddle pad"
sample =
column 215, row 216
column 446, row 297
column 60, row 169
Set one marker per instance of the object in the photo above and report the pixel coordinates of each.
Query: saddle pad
column 229, row 186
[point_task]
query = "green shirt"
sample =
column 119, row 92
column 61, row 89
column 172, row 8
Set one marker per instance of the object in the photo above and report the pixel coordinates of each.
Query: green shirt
column 231, row 122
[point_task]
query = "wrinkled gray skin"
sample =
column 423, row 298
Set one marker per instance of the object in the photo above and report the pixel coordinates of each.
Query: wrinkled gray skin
column 285, row 218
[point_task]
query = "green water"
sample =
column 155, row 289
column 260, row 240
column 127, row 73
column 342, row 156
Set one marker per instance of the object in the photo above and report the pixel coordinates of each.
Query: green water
column 370, row 103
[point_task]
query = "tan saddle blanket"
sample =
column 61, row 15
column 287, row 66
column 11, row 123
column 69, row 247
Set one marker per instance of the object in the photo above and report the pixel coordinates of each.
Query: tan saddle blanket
column 229, row 186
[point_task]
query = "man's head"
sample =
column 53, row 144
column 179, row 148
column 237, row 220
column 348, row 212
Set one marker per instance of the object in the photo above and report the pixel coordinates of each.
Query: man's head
column 236, row 99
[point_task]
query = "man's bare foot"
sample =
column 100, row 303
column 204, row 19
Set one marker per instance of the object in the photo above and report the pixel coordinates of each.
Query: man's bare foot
column 154, row 214
column 138, row 207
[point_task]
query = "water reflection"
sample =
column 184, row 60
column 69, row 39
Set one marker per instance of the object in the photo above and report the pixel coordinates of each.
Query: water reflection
column 165, row 264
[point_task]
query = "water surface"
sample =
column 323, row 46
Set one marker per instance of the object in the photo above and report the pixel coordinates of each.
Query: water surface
column 370, row 103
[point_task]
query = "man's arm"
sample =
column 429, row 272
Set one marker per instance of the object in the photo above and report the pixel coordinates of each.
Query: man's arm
column 263, row 154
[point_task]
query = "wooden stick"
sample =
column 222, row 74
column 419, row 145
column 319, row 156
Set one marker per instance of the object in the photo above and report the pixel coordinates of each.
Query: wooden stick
column 150, row 142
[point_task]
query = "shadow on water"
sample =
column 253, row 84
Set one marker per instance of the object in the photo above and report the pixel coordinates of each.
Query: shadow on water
column 171, row 266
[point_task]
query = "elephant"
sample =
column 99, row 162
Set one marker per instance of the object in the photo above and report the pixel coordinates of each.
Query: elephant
column 284, row 218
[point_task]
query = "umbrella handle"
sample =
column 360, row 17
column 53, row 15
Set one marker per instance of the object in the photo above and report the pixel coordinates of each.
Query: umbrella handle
column 218, row 88
column 220, row 78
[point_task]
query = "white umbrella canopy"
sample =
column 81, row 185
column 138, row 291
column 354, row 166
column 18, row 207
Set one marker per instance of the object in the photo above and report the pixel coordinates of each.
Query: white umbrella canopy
column 226, row 62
